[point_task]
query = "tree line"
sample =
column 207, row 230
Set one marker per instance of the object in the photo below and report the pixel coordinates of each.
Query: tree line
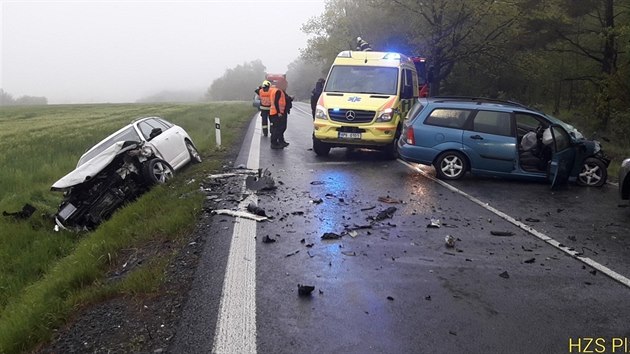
column 7, row 99
column 564, row 55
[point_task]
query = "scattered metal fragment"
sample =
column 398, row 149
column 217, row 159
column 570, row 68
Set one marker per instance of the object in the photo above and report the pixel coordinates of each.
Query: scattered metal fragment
column 505, row 275
column 434, row 224
column 25, row 213
column 353, row 233
column 502, row 233
column 305, row 290
column 255, row 209
column 389, row 200
column 349, row 253
column 368, row 208
column 268, row 239
column 240, row 214
column 315, row 183
column 450, row 241
column 292, row 253
column 385, row 214
column 262, row 182
column 330, row 236
column 532, row 220
column 317, row 201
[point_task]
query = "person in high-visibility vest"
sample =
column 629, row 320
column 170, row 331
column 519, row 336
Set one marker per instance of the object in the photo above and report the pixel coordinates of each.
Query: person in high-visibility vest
column 278, row 117
column 265, row 102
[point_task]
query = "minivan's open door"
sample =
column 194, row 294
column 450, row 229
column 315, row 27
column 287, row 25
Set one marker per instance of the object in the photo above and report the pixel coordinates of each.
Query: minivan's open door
column 563, row 157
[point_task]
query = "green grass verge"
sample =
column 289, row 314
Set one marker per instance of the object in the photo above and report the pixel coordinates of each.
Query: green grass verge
column 46, row 275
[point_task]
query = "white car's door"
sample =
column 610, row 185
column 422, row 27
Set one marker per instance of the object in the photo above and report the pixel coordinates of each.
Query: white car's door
column 169, row 143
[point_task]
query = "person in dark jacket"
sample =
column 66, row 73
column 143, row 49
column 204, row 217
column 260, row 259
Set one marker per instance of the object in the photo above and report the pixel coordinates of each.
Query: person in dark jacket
column 317, row 91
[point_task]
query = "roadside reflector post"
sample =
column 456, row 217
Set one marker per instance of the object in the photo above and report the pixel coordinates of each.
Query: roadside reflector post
column 217, row 129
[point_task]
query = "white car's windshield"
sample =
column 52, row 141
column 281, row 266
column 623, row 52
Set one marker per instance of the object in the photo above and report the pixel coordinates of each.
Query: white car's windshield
column 129, row 134
column 363, row 79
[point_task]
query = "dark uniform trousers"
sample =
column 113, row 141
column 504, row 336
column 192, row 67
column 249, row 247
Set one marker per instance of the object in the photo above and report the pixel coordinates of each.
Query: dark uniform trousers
column 278, row 127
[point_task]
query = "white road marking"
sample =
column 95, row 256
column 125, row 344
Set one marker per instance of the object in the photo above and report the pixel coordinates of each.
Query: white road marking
column 236, row 323
column 602, row 268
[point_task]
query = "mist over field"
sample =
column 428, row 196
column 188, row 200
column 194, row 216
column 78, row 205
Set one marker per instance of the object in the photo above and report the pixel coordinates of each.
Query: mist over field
column 113, row 51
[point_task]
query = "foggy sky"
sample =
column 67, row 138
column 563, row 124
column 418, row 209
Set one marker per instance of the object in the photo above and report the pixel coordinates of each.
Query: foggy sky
column 119, row 51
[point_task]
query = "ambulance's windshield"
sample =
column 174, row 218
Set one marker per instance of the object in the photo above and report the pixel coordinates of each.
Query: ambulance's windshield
column 363, row 79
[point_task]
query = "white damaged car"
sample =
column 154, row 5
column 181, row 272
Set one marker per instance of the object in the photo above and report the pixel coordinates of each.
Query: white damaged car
column 120, row 168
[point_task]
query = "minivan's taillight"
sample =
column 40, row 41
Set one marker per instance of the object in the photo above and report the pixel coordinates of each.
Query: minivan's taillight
column 409, row 137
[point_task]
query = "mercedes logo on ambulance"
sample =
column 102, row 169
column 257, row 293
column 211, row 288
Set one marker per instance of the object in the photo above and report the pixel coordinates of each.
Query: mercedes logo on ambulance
column 350, row 115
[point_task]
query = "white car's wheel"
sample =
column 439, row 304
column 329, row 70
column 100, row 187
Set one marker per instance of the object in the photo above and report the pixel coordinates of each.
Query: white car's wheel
column 157, row 171
column 192, row 151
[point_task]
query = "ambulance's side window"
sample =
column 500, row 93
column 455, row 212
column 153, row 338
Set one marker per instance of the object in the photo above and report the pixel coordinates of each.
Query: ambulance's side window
column 407, row 84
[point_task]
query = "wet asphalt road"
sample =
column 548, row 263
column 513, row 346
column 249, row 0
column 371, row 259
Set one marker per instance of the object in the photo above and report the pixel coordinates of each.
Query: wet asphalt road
column 396, row 287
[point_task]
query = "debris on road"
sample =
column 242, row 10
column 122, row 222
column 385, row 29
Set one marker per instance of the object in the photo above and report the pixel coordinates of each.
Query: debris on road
column 390, row 298
column 434, row 224
column 505, row 275
column 262, row 183
column 385, row 214
column 240, row 214
column 349, row 253
column 530, row 260
column 317, row 201
column 25, row 213
column 532, row 220
column 292, row 253
column 305, row 290
column 389, row 200
column 501, row 233
column 316, row 183
column 268, row 239
column 330, row 236
column 450, row 241
column 255, row 209
column 368, row 208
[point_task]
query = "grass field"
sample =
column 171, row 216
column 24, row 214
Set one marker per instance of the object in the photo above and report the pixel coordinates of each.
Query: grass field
column 45, row 275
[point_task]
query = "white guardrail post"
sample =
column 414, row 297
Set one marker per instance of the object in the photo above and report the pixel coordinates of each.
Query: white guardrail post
column 217, row 129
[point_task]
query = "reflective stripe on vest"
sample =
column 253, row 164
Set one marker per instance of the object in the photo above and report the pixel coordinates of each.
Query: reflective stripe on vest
column 265, row 98
column 282, row 103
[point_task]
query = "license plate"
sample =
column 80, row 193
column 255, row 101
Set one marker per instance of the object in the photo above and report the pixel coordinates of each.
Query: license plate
column 67, row 211
column 344, row 135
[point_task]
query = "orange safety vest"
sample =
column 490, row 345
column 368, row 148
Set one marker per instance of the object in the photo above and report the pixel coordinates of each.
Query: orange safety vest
column 282, row 103
column 265, row 98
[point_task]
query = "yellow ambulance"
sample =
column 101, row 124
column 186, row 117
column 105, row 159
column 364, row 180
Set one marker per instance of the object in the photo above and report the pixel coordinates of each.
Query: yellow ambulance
column 366, row 97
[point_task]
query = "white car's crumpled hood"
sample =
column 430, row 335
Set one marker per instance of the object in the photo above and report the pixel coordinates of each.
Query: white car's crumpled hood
column 91, row 167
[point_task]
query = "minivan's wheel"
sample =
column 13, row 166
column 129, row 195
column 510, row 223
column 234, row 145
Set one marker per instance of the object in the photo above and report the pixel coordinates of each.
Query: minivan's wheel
column 157, row 171
column 320, row 148
column 593, row 173
column 451, row 165
column 192, row 151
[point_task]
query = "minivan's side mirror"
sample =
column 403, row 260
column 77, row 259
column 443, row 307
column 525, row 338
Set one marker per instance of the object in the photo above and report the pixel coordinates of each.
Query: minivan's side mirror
column 155, row 132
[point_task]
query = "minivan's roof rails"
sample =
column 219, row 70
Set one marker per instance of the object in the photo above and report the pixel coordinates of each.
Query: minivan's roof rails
column 479, row 100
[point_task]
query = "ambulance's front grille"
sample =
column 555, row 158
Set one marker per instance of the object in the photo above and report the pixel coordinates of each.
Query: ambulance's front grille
column 351, row 115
